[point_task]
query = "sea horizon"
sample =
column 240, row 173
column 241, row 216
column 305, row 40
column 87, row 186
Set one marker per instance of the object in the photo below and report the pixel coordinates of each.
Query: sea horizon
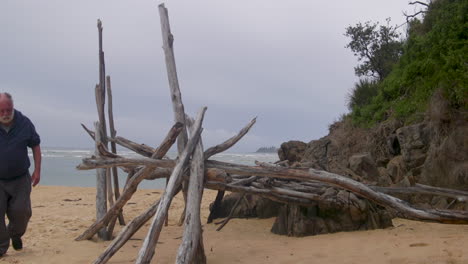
column 59, row 166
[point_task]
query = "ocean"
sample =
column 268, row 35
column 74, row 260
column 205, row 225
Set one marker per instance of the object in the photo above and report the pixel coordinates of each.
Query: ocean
column 59, row 166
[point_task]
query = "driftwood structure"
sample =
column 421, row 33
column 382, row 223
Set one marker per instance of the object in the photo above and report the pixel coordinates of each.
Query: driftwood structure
column 193, row 170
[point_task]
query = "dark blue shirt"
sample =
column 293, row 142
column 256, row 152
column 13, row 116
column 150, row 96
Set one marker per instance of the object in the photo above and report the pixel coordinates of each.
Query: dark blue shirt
column 14, row 160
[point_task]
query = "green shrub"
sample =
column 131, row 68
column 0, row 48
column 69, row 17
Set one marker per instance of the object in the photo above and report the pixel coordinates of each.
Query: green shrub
column 362, row 93
column 435, row 56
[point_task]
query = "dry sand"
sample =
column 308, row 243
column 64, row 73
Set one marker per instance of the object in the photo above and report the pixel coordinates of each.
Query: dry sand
column 61, row 213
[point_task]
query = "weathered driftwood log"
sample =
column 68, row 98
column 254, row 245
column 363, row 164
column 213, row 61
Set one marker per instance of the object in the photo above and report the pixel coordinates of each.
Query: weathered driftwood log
column 100, row 94
column 176, row 96
column 215, row 175
column 147, row 151
column 230, row 142
column 149, row 245
column 113, row 133
column 126, row 233
column 134, row 225
column 220, row 148
column 101, row 89
column 141, row 149
column 101, row 204
column 427, row 190
column 132, row 185
column 228, row 218
column 191, row 249
column 399, row 206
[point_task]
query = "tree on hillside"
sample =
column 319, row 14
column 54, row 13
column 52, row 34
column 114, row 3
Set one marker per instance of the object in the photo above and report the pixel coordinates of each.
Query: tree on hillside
column 377, row 47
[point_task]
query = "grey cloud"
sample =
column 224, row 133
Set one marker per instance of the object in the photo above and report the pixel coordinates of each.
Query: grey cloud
column 284, row 62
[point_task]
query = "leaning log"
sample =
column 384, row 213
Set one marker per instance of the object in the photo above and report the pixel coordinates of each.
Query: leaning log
column 113, row 133
column 126, row 233
column 176, row 96
column 149, row 245
column 141, row 149
column 230, row 142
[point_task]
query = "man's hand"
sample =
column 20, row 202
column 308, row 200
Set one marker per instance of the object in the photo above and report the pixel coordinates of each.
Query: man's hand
column 35, row 178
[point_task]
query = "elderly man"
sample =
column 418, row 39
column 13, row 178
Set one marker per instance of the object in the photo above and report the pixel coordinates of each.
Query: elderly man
column 17, row 133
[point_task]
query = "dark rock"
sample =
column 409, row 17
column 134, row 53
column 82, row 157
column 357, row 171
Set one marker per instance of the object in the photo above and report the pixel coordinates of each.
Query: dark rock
column 250, row 206
column 316, row 155
column 414, row 142
column 364, row 165
column 295, row 220
column 447, row 160
column 396, row 169
column 384, row 177
column 292, row 151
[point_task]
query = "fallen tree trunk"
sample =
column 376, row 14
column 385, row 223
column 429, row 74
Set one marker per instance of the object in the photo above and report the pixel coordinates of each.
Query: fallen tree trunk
column 402, row 208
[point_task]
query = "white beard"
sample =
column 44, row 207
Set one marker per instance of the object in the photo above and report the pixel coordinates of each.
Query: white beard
column 7, row 119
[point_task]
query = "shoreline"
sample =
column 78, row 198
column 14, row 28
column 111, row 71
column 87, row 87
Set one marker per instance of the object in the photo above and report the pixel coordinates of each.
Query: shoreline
column 60, row 214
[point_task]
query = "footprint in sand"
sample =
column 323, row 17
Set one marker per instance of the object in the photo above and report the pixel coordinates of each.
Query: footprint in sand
column 419, row 245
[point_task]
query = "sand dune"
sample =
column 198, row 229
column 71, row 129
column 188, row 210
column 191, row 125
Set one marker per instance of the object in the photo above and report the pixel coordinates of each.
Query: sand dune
column 62, row 213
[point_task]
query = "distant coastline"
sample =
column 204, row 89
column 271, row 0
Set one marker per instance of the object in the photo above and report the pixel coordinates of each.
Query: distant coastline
column 267, row 150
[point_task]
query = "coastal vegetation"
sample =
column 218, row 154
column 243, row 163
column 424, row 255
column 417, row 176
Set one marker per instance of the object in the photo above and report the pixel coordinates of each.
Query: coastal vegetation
column 399, row 76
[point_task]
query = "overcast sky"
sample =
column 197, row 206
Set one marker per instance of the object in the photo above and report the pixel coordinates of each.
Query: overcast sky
column 282, row 61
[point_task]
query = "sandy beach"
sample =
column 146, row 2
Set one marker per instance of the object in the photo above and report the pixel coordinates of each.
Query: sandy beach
column 61, row 213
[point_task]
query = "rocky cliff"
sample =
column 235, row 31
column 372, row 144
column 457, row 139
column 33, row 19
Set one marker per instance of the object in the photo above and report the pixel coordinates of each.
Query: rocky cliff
column 433, row 152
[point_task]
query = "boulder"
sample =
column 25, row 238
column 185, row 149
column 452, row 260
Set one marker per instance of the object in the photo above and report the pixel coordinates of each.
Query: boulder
column 295, row 220
column 316, row 154
column 292, row 151
column 414, row 143
column 364, row 165
column 447, row 162
column 396, row 169
column 249, row 206
column 384, row 177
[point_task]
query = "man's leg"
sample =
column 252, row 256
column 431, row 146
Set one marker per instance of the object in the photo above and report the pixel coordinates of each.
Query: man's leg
column 19, row 208
column 4, row 236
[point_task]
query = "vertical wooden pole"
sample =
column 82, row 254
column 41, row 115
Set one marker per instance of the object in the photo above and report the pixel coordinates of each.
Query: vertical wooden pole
column 100, row 102
column 101, row 205
column 191, row 249
column 113, row 133
column 101, row 96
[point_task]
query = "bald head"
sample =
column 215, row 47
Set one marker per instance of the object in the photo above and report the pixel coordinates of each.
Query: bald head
column 6, row 96
column 6, row 109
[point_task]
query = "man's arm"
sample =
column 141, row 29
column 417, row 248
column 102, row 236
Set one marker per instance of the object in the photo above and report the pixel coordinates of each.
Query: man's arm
column 36, row 176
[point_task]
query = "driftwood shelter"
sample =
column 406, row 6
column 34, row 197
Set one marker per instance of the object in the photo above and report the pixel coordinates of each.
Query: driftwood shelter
column 193, row 171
